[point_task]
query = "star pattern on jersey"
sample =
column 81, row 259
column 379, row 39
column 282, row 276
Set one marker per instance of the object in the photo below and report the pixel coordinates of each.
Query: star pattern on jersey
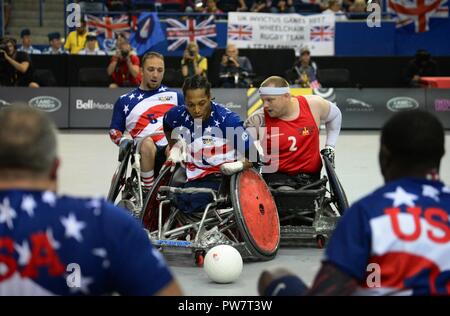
column 7, row 213
column 55, row 244
column 24, row 252
column 431, row 192
column 28, row 204
column 401, row 197
column 102, row 253
column 446, row 189
column 49, row 198
column 162, row 89
column 208, row 129
column 132, row 96
column 212, row 113
column 73, row 227
column 187, row 118
column 217, row 123
column 140, row 97
column 126, row 109
column 96, row 205
column 223, row 118
column 123, row 96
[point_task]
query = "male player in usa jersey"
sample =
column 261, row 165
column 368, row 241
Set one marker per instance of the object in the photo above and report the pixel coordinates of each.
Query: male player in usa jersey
column 292, row 126
column 400, row 231
column 216, row 141
column 140, row 113
column 60, row 245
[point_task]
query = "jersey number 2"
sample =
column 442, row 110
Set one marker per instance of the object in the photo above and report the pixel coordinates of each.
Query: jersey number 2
column 294, row 142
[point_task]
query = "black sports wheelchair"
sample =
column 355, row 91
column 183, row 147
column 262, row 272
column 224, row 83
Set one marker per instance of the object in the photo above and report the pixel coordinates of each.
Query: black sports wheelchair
column 244, row 212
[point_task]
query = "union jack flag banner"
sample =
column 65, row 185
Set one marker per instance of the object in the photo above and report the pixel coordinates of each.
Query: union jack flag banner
column 107, row 27
column 179, row 33
column 237, row 32
column 322, row 33
column 418, row 12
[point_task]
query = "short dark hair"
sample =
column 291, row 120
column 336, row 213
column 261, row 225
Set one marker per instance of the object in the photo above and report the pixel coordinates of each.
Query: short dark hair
column 27, row 140
column 197, row 82
column 414, row 138
column 150, row 55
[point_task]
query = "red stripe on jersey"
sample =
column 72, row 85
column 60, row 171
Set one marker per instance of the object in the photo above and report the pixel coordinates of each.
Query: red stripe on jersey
column 153, row 112
column 396, row 267
column 298, row 141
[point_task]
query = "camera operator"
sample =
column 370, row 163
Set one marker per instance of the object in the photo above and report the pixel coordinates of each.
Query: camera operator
column 15, row 67
column 124, row 66
column 193, row 63
column 235, row 70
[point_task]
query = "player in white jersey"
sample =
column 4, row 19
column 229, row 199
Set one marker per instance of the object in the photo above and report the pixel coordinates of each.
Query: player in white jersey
column 140, row 113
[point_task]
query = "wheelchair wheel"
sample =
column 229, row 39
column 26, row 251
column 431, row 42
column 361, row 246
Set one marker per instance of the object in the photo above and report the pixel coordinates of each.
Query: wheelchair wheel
column 337, row 191
column 256, row 214
column 151, row 204
column 119, row 177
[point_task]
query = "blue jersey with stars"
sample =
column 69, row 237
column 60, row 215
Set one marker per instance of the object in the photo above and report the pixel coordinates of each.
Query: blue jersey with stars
column 52, row 245
column 219, row 139
column 141, row 113
column 399, row 234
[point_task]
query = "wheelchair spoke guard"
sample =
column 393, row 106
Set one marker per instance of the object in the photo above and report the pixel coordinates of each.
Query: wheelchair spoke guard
column 337, row 191
column 256, row 213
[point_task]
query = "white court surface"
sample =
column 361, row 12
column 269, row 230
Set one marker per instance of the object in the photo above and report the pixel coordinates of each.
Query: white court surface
column 89, row 159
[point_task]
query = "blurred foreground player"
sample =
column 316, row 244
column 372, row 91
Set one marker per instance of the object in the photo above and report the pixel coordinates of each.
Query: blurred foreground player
column 59, row 245
column 397, row 239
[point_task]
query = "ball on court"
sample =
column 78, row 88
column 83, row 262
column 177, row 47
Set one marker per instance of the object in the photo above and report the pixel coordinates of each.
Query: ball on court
column 223, row 264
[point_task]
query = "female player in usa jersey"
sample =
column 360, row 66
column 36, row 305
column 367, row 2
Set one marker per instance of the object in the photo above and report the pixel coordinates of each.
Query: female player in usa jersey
column 140, row 113
column 396, row 240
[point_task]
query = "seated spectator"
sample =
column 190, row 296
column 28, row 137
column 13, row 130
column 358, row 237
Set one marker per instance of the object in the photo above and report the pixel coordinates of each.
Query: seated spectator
column 421, row 66
column 359, row 6
column 211, row 7
column 124, row 66
column 91, row 46
column 235, row 70
column 15, row 67
column 282, row 6
column 92, row 6
column 303, row 73
column 76, row 40
column 193, row 63
column 334, row 7
column 54, row 39
column 261, row 6
column 119, row 5
column 232, row 5
column 26, row 43
column 194, row 6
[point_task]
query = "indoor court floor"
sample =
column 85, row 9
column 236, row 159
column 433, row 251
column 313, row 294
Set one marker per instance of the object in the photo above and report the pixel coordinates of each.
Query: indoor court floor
column 89, row 159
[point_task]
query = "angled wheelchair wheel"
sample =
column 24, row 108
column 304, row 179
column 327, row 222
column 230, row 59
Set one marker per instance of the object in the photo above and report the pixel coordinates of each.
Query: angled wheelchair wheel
column 256, row 214
column 119, row 177
column 337, row 191
column 151, row 204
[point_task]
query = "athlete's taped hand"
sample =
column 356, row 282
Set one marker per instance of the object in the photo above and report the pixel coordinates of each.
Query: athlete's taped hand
column 177, row 154
column 328, row 152
column 230, row 168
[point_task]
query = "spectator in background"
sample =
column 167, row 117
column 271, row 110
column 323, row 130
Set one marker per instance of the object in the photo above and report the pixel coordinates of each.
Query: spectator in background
column 211, row 7
column 7, row 8
column 54, row 39
column 334, row 7
column 89, row 6
column 421, row 66
column 15, row 67
column 358, row 6
column 124, row 66
column 232, row 5
column 91, row 46
column 261, row 6
column 282, row 6
column 26, row 43
column 76, row 40
column 304, row 71
column 235, row 70
column 193, row 63
column 194, row 6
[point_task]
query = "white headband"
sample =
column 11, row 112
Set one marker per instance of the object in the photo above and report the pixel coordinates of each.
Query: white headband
column 273, row 90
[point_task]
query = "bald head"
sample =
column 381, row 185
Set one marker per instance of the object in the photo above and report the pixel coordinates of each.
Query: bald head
column 27, row 142
column 275, row 81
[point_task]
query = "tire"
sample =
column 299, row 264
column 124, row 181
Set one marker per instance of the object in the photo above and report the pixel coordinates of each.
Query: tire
column 256, row 214
column 338, row 195
column 118, row 179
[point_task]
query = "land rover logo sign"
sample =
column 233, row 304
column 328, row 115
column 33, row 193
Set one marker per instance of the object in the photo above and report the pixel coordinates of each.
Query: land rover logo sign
column 402, row 104
column 45, row 103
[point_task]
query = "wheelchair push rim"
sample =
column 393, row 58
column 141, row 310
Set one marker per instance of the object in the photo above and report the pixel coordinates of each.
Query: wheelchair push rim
column 256, row 213
column 118, row 179
column 337, row 191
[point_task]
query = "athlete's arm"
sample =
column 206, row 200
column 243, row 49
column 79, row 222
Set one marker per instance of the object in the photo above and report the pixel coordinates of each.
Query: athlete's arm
column 117, row 126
